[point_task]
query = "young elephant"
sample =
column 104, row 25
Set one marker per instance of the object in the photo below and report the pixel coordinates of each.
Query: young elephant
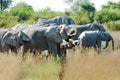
column 94, row 38
column 13, row 40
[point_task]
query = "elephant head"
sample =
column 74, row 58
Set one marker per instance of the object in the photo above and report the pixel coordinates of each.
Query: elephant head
column 68, row 45
column 22, row 38
column 67, row 31
column 67, row 21
column 96, row 27
column 58, row 33
column 15, row 39
column 105, row 36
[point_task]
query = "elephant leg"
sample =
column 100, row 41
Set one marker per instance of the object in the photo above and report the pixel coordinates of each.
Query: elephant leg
column 5, row 48
column 15, row 51
column 58, row 50
column 53, row 49
column 63, row 54
column 99, row 46
column 95, row 47
column 83, row 48
column 48, row 54
column 24, row 49
column 54, row 52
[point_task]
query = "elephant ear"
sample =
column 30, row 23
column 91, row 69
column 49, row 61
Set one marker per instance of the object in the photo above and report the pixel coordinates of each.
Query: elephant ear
column 102, row 35
column 52, row 35
column 70, row 21
column 9, row 39
column 23, row 36
column 97, row 27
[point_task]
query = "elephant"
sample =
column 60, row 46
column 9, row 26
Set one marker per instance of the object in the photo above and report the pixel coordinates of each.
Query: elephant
column 94, row 39
column 13, row 40
column 20, row 27
column 46, row 38
column 2, row 31
column 42, row 22
column 67, row 46
column 54, row 21
column 88, row 27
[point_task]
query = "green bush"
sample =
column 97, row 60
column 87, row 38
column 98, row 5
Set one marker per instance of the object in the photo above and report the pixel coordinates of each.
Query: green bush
column 7, row 20
column 22, row 10
column 107, row 15
column 49, row 13
column 80, row 17
column 113, row 25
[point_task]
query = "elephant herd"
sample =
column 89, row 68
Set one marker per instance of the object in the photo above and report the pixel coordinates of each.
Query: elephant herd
column 55, row 35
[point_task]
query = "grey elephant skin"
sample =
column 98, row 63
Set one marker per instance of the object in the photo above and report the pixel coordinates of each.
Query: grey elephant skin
column 46, row 38
column 87, row 27
column 54, row 21
column 13, row 40
column 2, row 31
column 94, row 39
column 67, row 46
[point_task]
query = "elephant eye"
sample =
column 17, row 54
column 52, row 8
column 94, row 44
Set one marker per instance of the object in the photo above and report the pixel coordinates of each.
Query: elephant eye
column 70, row 36
column 72, row 32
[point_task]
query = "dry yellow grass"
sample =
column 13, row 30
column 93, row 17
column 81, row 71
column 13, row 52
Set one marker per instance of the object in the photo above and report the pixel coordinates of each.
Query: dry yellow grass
column 93, row 66
column 32, row 68
column 86, row 66
column 9, row 68
column 116, row 37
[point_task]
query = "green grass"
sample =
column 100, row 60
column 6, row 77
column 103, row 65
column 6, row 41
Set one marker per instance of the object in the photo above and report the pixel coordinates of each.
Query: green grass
column 43, row 70
column 32, row 68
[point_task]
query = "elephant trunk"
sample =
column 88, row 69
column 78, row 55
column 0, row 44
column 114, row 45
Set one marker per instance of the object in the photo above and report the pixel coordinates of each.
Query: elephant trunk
column 112, row 43
column 106, row 45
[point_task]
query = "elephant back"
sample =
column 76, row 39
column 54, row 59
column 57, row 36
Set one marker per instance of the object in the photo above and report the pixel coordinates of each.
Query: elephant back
column 99, row 27
column 19, row 27
column 54, row 21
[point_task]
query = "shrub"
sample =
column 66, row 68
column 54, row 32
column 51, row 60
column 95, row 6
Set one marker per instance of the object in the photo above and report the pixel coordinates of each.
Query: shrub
column 22, row 10
column 80, row 17
column 113, row 25
column 7, row 20
column 107, row 15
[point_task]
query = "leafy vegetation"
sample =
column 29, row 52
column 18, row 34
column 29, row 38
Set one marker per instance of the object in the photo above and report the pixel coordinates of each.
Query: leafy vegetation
column 81, row 11
column 79, row 66
column 22, row 10
column 113, row 25
column 5, row 4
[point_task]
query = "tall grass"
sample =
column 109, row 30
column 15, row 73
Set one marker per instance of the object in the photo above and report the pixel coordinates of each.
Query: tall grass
column 87, row 65
column 41, row 70
column 92, row 66
column 31, row 69
column 9, row 68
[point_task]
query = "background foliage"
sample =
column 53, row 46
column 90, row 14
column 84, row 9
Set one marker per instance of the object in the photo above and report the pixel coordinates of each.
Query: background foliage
column 81, row 11
column 5, row 4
